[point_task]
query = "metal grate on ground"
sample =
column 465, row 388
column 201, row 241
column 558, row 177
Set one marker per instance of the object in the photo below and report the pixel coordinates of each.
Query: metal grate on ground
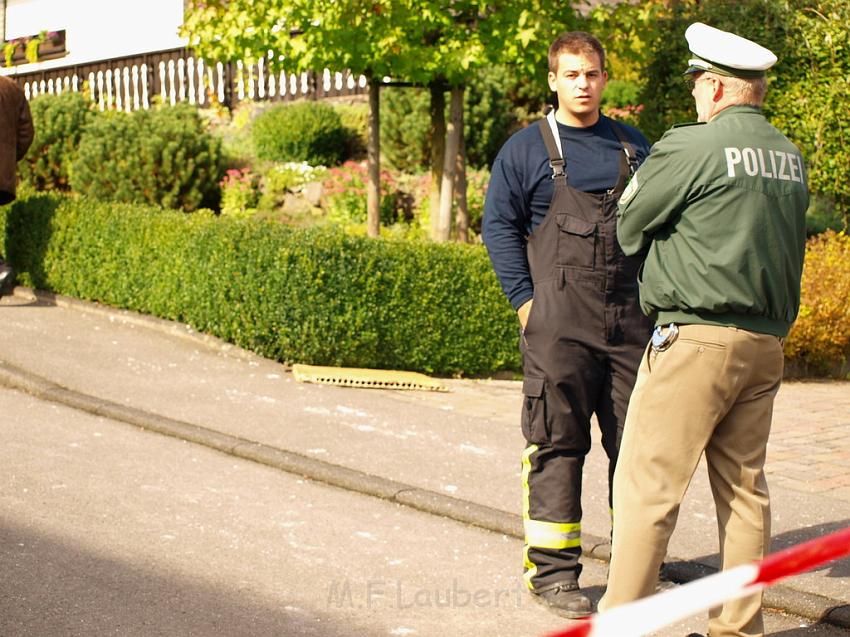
column 365, row 378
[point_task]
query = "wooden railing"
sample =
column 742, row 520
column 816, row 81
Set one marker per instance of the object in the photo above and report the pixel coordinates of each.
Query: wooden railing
column 178, row 75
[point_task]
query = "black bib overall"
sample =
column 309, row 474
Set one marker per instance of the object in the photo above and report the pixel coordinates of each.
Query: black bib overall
column 581, row 350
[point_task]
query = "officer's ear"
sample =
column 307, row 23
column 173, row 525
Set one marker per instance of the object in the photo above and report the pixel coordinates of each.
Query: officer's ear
column 718, row 87
column 553, row 82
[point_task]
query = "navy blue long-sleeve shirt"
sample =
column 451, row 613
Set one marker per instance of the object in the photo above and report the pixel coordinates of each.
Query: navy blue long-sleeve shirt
column 521, row 190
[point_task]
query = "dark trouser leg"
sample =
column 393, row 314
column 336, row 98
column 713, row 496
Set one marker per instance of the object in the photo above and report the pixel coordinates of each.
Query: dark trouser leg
column 613, row 402
column 551, row 515
column 562, row 380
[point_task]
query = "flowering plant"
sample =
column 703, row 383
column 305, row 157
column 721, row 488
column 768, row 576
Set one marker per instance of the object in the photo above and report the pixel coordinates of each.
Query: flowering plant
column 292, row 175
column 31, row 47
column 239, row 193
column 9, row 51
column 344, row 194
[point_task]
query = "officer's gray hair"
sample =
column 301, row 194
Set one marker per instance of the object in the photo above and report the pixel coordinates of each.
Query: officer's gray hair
column 745, row 91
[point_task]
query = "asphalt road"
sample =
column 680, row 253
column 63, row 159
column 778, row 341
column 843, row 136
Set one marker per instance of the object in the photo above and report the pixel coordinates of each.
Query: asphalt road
column 110, row 530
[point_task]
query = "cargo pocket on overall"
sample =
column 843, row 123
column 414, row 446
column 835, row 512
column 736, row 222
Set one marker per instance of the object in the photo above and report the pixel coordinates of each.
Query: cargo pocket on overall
column 535, row 427
column 576, row 242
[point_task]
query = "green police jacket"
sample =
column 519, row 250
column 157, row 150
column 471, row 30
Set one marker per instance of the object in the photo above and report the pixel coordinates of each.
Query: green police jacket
column 722, row 208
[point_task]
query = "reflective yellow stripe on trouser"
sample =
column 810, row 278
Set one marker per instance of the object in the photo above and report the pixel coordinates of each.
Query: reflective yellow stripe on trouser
column 540, row 534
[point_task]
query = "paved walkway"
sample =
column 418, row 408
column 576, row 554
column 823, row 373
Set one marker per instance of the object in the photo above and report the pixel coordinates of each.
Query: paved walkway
column 454, row 454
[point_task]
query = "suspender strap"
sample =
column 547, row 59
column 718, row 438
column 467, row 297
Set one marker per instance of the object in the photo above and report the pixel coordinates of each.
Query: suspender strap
column 551, row 138
column 628, row 147
column 553, row 147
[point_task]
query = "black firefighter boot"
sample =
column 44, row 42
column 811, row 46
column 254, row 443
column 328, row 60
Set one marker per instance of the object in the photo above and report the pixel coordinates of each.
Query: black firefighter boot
column 565, row 599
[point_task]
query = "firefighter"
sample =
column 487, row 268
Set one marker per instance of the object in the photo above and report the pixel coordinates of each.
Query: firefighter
column 550, row 230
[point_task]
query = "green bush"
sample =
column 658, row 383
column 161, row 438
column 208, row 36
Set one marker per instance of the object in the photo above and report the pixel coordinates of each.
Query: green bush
column 621, row 101
column 234, row 131
column 809, row 99
column 59, row 121
column 162, row 157
column 312, row 296
column 819, row 342
column 823, row 215
column 476, row 192
column 311, row 132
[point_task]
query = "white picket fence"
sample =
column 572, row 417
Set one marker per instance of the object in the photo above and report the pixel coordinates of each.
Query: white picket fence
column 177, row 75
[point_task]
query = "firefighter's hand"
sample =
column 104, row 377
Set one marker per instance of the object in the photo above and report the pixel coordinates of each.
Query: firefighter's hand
column 523, row 311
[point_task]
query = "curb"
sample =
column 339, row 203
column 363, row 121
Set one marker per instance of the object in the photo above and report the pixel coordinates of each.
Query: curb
column 183, row 331
column 778, row 597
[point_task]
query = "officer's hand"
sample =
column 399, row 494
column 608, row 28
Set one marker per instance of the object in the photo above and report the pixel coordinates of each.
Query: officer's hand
column 523, row 311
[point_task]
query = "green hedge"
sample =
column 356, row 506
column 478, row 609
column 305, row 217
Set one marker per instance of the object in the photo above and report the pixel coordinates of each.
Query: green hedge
column 294, row 295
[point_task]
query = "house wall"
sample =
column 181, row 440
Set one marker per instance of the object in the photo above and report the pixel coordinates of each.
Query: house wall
column 96, row 29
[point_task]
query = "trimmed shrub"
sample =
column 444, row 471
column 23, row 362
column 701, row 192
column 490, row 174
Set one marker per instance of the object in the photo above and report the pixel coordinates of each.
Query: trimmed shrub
column 162, row 157
column 325, row 297
column 311, row 132
column 311, row 296
column 819, row 342
column 59, row 121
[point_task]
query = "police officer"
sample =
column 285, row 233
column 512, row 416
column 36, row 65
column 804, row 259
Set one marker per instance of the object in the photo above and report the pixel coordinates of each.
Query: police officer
column 16, row 135
column 721, row 205
column 550, row 229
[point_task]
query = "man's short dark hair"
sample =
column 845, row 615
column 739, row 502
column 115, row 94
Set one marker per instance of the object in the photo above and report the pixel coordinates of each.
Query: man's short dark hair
column 575, row 42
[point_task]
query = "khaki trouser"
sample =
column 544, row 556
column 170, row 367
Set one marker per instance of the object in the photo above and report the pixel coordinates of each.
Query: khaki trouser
column 711, row 391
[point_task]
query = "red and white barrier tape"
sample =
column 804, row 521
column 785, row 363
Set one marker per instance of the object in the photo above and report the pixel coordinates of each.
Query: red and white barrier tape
column 649, row 614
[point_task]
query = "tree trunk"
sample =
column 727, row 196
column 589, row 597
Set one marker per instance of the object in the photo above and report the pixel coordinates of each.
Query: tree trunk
column 462, row 217
column 438, row 150
column 453, row 133
column 373, row 188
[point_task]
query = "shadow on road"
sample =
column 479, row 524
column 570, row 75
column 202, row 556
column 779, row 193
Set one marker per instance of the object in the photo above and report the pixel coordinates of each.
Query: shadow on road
column 839, row 568
column 51, row 588
column 708, row 564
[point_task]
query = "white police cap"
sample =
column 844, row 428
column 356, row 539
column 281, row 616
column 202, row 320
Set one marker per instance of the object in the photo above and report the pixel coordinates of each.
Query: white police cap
column 725, row 53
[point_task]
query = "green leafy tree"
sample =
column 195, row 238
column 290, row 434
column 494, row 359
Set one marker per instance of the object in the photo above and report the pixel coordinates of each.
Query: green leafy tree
column 434, row 43
column 809, row 88
column 811, row 99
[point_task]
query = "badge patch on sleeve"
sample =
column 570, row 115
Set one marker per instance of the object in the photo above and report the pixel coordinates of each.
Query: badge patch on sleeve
column 630, row 191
